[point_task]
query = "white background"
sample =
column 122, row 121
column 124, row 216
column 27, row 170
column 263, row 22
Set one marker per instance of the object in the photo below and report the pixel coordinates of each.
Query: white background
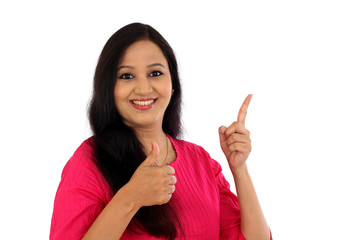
column 300, row 59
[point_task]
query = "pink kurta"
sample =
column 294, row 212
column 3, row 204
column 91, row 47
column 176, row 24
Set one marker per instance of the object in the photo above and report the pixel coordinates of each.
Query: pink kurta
column 204, row 204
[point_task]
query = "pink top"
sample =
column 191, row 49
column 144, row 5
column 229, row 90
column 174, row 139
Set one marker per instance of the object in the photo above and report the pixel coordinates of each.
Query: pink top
column 206, row 207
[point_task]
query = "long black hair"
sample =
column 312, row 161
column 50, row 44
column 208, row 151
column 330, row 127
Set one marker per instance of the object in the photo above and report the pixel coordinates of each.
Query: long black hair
column 118, row 150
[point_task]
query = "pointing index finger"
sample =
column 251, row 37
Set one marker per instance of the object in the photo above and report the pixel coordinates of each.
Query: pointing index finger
column 243, row 110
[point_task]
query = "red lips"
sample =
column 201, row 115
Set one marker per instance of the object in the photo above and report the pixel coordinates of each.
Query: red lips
column 144, row 103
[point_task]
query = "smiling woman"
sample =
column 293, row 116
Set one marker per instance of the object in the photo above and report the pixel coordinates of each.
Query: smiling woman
column 120, row 183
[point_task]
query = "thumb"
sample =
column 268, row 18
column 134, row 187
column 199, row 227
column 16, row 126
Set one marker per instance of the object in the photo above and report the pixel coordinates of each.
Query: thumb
column 222, row 137
column 153, row 156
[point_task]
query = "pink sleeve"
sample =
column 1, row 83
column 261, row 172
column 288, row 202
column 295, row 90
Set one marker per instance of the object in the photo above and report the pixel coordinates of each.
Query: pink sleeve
column 81, row 196
column 230, row 215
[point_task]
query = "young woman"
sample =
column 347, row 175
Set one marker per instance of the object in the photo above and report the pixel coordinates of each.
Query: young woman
column 134, row 179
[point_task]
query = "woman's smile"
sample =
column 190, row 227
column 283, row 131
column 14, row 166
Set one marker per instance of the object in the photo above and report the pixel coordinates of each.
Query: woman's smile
column 143, row 104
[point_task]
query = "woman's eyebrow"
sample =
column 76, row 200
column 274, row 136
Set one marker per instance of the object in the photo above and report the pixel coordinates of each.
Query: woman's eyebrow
column 156, row 64
column 149, row 66
column 125, row 66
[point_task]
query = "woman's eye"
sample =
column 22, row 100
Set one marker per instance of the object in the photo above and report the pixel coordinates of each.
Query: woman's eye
column 155, row 74
column 126, row 76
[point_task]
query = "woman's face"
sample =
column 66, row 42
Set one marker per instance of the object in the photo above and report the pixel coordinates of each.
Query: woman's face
column 143, row 87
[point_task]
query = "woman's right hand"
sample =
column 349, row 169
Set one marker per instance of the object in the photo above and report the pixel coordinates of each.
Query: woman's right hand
column 151, row 184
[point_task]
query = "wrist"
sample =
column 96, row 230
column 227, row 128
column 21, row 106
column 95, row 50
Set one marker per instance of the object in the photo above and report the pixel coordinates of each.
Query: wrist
column 128, row 198
column 239, row 171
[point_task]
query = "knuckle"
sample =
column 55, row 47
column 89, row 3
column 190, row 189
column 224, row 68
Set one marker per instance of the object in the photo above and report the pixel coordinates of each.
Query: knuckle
column 165, row 198
column 170, row 169
column 234, row 136
column 172, row 180
column 163, row 172
column 172, row 189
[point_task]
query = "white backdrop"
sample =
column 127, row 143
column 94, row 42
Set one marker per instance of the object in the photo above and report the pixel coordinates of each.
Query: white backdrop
column 300, row 59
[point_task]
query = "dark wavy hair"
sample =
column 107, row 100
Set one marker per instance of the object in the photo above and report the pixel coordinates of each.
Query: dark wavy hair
column 118, row 150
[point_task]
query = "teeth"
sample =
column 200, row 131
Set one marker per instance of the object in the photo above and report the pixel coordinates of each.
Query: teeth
column 143, row 103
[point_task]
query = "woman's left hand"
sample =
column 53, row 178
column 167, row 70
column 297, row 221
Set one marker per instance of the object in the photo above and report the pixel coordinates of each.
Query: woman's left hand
column 235, row 140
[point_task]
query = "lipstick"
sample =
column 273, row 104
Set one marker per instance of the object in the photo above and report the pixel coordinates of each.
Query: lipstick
column 143, row 104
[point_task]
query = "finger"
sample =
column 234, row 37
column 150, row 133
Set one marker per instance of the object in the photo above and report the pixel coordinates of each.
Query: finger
column 170, row 170
column 165, row 198
column 222, row 136
column 240, row 147
column 172, row 189
column 243, row 110
column 173, row 180
column 153, row 156
column 235, row 127
column 168, row 198
column 241, row 138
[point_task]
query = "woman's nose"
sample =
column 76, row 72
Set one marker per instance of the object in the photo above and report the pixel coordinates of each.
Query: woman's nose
column 143, row 86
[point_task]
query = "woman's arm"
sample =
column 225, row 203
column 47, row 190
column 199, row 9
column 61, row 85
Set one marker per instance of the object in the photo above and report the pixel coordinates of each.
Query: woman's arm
column 79, row 207
column 253, row 223
column 236, row 145
column 115, row 217
column 149, row 185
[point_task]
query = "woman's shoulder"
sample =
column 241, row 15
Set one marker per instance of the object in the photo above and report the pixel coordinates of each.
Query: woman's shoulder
column 82, row 163
column 87, row 147
column 83, row 155
column 81, row 169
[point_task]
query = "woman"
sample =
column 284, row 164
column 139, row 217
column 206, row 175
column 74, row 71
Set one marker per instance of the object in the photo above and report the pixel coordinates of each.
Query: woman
column 120, row 183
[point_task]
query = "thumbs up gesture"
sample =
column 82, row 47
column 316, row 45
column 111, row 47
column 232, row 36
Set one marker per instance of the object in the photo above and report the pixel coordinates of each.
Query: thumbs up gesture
column 151, row 160
column 235, row 140
column 151, row 184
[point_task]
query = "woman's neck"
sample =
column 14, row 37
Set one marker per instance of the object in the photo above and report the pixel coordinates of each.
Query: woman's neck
column 148, row 135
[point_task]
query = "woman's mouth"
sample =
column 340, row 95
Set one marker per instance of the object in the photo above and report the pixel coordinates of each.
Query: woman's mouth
column 143, row 104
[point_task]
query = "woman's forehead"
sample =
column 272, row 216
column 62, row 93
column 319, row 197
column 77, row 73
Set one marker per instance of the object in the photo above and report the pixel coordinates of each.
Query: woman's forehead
column 143, row 53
